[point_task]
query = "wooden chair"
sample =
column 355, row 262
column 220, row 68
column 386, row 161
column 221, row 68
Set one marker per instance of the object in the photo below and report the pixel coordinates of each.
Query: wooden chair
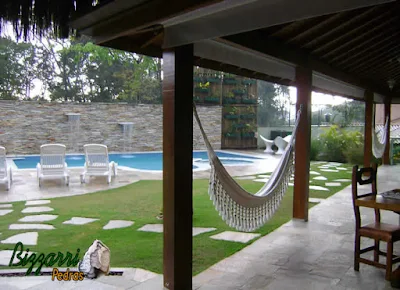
column 377, row 231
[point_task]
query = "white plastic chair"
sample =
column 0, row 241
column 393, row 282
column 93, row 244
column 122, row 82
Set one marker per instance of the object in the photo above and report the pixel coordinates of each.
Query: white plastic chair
column 52, row 163
column 282, row 143
column 5, row 170
column 268, row 144
column 97, row 162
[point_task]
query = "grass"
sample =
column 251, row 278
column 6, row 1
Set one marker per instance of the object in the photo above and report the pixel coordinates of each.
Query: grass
column 141, row 202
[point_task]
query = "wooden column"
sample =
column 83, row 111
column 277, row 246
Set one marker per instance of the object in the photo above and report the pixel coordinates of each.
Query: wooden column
column 369, row 106
column 302, row 145
column 386, row 154
column 177, row 166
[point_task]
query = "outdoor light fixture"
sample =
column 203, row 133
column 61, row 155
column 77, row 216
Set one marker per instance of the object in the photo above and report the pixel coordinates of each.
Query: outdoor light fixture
column 391, row 83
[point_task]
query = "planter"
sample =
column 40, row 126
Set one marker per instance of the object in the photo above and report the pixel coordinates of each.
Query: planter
column 247, row 116
column 232, row 135
column 201, row 90
column 229, row 101
column 239, row 92
column 197, row 79
column 196, row 99
column 249, row 101
column 248, row 82
column 211, row 100
column 229, row 116
column 230, row 81
column 248, row 135
column 213, row 80
column 238, row 126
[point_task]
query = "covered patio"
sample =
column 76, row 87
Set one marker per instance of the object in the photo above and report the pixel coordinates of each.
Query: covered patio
column 348, row 48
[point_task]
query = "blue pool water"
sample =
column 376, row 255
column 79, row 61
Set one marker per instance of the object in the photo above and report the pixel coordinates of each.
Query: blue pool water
column 141, row 161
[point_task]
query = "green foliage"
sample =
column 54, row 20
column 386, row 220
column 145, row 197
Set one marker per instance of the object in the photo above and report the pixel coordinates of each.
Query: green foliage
column 315, row 149
column 340, row 145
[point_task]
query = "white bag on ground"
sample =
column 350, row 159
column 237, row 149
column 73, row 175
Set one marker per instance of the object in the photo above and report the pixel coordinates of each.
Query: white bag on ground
column 95, row 260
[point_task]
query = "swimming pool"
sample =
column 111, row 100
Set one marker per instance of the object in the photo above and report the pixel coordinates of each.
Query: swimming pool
column 142, row 160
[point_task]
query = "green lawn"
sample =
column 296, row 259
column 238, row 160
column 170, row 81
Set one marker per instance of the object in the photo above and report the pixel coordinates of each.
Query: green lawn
column 141, row 202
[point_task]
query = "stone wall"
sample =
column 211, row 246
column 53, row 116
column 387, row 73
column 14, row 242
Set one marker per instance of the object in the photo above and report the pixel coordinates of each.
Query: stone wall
column 24, row 126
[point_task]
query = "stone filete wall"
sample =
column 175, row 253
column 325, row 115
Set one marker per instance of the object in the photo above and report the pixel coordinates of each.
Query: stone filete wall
column 24, row 126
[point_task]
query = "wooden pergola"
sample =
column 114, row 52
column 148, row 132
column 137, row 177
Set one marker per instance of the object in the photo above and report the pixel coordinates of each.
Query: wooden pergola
column 344, row 47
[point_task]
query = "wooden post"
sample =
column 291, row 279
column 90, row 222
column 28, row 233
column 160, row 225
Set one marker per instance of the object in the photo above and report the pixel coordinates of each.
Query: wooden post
column 302, row 145
column 177, row 166
column 386, row 154
column 369, row 97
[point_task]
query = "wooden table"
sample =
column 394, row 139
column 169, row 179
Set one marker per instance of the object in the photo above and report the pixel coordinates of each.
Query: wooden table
column 380, row 202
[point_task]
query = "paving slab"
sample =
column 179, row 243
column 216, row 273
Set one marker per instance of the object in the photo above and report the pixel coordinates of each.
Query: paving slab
column 290, row 184
column 264, row 180
column 117, row 224
column 30, row 227
column 332, row 184
column 38, row 218
column 320, row 178
column 37, row 209
column 246, row 177
column 235, row 236
column 315, row 173
column 315, row 200
column 79, row 221
column 5, row 257
column 154, row 228
column 37, row 202
column 335, row 163
column 5, row 211
column 263, row 176
column 330, row 170
column 29, row 238
column 341, row 168
column 138, row 275
column 343, row 180
column 5, row 205
column 198, row 230
column 316, row 187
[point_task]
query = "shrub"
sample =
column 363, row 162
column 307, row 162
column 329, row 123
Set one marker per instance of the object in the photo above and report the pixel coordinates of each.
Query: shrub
column 315, row 149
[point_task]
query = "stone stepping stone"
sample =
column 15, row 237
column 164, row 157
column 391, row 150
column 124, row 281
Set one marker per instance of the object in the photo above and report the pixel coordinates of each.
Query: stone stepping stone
column 290, row 184
column 333, row 184
column 261, row 180
column 38, row 218
column 29, row 239
column 197, row 230
column 37, row 202
column 315, row 173
column 263, row 176
column 246, row 177
column 335, row 163
column 30, row 227
column 154, row 228
column 330, row 170
column 320, row 178
column 117, row 224
column 5, row 205
column 315, row 200
column 341, row 168
column 5, row 211
column 79, row 221
column 37, row 209
column 343, row 180
column 316, row 187
column 5, row 257
column 235, row 237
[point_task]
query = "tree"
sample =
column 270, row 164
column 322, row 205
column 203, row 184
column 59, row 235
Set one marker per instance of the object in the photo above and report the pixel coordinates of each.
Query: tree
column 349, row 112
column 268, row 110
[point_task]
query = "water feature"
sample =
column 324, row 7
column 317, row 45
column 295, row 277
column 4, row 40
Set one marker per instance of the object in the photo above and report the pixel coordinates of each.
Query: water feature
column 73, row 134
column 127, row 132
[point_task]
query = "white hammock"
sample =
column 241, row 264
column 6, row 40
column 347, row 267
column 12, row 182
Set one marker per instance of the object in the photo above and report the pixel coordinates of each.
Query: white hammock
column 240, row 209
column 379, row 140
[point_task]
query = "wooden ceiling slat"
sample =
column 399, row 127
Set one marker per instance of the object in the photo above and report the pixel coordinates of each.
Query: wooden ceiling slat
column 309, row 34
column 293, row 29
column 366, row 54
column 363, row 37
column 338, row 30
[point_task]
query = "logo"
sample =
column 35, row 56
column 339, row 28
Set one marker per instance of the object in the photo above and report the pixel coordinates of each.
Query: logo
column 49, row 260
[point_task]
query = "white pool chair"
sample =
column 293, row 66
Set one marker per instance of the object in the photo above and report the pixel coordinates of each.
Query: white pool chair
column 97, row 162
column 282, row 143
column 268, row 144
column 5, row 170
column 52, row 163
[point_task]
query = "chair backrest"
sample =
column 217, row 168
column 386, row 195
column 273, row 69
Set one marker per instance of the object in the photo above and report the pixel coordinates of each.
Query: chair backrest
column 52, row 156
column 362, row 176
column 3, row 163
column 96, row 155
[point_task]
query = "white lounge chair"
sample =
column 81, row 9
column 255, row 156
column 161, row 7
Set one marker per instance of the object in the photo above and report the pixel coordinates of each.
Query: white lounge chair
column 52, row 163
column 282, row 143
column 268, row 144
column 97, row 162
column 5, row 170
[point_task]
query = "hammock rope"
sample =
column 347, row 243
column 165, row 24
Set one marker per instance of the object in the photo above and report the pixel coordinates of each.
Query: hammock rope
column 379, row 140
column 240, row 209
